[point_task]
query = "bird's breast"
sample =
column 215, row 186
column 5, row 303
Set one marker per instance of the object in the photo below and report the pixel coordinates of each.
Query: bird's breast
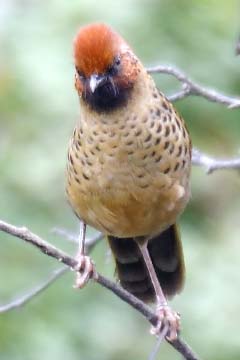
column 129, row 177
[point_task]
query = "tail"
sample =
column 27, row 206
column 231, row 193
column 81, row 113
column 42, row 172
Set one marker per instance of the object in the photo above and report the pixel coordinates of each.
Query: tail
column 167, row 257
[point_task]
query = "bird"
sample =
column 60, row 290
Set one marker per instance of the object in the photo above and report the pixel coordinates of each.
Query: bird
column 128, row 169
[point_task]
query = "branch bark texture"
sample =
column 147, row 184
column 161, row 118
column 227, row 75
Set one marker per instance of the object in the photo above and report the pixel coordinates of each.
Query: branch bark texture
column 26, row 235
column 210, row 163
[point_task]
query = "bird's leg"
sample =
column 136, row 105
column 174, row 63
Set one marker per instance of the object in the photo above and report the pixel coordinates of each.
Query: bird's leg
column 85, row 267
column 166, row 316
column 82, row 237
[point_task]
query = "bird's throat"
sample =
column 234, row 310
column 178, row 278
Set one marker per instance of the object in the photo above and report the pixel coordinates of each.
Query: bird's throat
column 107, row 98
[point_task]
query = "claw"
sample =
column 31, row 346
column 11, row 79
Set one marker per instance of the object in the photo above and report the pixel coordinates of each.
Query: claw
column 168, row 323
column 85, row 270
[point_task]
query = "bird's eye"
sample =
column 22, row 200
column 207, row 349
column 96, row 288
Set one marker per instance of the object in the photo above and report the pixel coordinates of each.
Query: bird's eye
column 113, row 69
column 81, row 75
column 118, row 61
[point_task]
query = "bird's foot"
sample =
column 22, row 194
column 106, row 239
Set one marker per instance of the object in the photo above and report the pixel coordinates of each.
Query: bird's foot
column 168, row 323
column 85, row 270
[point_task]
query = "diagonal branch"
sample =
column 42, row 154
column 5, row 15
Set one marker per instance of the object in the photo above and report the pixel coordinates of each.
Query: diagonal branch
column 50, row 250
column 54, row 276
column 24, row 299
column 190, row 87
column 198, row 158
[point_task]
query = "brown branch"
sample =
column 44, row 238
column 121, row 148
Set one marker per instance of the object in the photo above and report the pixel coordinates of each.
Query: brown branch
column 190, row 87
column 56, row 274
column 198, row 158
column 50, row 250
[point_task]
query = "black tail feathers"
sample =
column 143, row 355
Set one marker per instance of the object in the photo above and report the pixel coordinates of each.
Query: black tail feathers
column 167, row 257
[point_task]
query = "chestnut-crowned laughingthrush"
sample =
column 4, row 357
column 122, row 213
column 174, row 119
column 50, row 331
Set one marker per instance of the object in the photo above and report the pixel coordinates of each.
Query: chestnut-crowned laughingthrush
column 128, row 167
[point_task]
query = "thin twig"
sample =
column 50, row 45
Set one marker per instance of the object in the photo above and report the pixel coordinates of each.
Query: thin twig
column 67, row 235
column 237, row 48
column 50, row 250
column 56, row 274
column 212, row 164
column 24, row 299
column 155, row 350
column 190, row 87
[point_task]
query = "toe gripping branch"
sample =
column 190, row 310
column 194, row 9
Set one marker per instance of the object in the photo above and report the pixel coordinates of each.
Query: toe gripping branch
column 85, row 268
column 168, row 323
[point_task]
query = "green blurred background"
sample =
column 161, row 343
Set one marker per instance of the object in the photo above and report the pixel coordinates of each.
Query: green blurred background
column 38, row 108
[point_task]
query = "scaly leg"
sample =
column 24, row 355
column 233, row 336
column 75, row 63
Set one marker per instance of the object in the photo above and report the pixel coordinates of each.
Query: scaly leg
column 167, row 317
column 85, row 267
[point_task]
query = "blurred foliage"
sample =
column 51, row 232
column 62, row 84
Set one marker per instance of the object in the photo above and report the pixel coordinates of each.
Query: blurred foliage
column 39, row 107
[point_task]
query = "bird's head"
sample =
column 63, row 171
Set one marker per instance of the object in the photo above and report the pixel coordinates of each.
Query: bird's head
column 106, row 68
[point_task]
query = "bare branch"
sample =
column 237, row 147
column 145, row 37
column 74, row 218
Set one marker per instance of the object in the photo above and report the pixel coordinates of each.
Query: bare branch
column 179, row 344
column 30, row 295
column 188, row 88
column 212, row 164
column 50, row 250
column 181, row 94
column 67, row 235
column 192, row 88
column 90, row 242
column 24, row 299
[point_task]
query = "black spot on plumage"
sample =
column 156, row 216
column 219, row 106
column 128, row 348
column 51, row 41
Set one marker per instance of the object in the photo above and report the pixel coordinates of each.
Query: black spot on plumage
column 148, row 138
column 85, row 176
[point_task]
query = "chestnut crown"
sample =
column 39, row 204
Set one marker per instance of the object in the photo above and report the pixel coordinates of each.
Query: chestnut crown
column 106, row 68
